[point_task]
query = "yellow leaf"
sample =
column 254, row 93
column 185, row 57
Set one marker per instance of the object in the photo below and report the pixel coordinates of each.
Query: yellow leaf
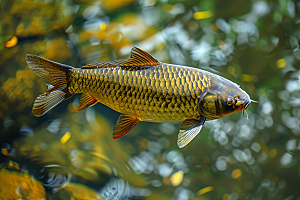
column 281, row 63
column 236, row 173
column 203, row 14
column 12, row 42
column 4, row 152
column 176, row 178
column 205, row 190
column 103, row 26
column 65, row 137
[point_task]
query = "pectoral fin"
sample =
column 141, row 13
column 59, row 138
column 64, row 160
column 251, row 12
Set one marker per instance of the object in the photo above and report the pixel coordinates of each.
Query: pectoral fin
column 124, row 125
column 86, row 100
column 188, row 130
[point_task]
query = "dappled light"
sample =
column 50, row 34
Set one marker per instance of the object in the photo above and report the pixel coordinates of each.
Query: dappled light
column 72, row 155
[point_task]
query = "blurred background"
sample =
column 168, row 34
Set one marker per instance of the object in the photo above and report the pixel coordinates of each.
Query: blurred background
column 69, row 155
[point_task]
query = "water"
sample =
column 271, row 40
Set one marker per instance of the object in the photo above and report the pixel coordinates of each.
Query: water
column 69, row 155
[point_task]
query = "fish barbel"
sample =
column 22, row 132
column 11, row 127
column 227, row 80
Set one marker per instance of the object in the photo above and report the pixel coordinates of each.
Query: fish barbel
column 142, row 89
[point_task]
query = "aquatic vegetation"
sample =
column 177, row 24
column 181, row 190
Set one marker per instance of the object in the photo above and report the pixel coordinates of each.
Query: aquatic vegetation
column 18, row 184
column 87, row 153
column 121, row 34
column 75, row 191
column 21, row 32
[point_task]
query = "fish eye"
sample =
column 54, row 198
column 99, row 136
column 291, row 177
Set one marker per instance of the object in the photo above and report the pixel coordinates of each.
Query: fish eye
column 229, row 102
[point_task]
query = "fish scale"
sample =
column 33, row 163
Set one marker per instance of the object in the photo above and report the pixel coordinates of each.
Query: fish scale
column 156, row 88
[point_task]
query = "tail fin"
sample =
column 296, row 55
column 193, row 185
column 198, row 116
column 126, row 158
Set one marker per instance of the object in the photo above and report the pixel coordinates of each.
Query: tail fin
column 55, row 76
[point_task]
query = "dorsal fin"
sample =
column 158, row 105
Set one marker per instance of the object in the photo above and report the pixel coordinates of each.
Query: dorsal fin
column 138, row 58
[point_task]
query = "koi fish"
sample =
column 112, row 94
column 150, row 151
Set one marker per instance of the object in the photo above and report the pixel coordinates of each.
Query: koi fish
column 141, row 88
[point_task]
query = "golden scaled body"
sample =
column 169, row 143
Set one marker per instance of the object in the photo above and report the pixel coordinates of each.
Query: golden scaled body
column 142, row 89
column 161, row 93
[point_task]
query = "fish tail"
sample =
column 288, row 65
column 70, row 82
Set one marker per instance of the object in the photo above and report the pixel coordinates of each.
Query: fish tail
column 55, row 76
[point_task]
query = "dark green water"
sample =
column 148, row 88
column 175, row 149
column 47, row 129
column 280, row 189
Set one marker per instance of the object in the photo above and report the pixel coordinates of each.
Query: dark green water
column 73, row 156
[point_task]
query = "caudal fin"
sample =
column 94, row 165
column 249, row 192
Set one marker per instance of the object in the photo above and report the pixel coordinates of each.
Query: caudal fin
column 55, row 76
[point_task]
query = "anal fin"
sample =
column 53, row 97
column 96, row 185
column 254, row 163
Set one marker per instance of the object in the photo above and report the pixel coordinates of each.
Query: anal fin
column 124, row 125
column 86, row 100
column 188, row 130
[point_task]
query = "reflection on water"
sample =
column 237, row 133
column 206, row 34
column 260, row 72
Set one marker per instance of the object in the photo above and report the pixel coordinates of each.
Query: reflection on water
column 62, row 152
column 121, row 189
column 75, row 191
column 67, row 155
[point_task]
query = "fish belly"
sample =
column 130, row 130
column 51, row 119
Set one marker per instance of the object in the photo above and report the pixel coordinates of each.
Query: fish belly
column 162, row 93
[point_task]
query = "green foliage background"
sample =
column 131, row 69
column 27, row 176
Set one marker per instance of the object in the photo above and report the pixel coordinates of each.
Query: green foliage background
column 253, row 43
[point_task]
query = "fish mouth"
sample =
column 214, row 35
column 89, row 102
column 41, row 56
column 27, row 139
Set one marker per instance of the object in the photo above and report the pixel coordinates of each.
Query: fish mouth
column 244, row 109
column 246, row 105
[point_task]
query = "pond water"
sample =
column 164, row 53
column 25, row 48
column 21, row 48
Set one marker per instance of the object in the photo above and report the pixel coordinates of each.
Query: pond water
column 71, row 155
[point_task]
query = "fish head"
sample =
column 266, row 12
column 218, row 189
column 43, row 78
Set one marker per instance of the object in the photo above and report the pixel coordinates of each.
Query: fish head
column 223, row 99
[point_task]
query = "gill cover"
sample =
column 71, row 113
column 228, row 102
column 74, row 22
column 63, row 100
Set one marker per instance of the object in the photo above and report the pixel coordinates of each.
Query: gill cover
column 208, row 105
